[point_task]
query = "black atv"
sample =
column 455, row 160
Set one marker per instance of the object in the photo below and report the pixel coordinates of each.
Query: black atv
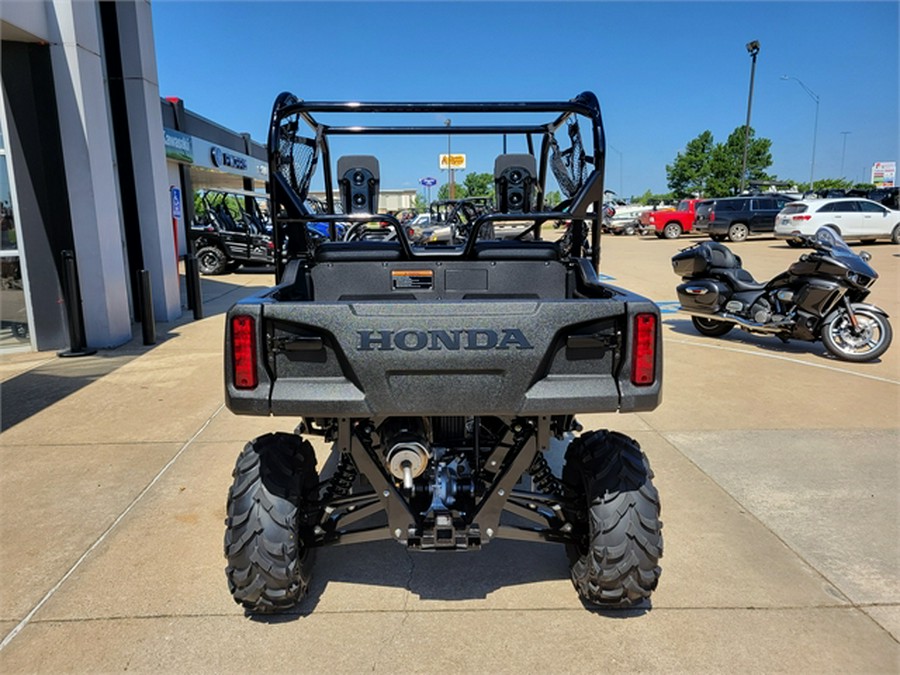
column 443, row 376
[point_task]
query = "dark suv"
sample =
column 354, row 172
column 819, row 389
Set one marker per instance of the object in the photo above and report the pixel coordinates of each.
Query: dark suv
column 734, row 218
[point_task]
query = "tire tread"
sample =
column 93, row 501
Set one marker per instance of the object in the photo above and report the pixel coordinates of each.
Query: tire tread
column 267, row 541
column 620, row 564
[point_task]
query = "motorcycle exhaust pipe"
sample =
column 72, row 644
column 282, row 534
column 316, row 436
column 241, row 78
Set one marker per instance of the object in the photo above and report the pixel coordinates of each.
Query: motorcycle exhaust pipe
column 741, row 321
column 406, row 449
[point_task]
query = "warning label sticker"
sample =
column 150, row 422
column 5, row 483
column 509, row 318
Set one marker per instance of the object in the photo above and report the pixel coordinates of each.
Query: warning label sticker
column 412, row 279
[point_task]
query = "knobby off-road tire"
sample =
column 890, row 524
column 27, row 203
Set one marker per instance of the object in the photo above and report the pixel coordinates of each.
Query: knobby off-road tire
column 616, row 565
column 268, row 531
column 211, row 260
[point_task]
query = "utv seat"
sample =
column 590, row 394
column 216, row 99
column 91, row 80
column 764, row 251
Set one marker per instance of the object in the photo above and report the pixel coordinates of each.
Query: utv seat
column 516, row 250
column 358, row 251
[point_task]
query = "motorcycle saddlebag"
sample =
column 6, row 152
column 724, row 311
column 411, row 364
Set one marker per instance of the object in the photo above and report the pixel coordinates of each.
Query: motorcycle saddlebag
column 703, row 295
column 702, row 257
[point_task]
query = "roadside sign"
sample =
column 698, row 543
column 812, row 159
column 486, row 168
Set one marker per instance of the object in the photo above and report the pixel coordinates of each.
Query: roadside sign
column 428, row 181
column 455, row 161
column 176, row 202
column 884, row 174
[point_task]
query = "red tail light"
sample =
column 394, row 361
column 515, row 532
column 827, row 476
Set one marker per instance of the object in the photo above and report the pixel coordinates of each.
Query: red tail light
column 804, row 217
column 643, row 353
column 712, row 216
column 243, row 351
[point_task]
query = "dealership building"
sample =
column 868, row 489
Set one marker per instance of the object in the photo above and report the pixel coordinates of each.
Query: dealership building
column 94, row 167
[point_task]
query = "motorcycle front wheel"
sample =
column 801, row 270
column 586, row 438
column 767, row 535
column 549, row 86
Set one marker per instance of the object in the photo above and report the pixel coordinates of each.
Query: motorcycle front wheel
column 711, row 327
column 870, row 341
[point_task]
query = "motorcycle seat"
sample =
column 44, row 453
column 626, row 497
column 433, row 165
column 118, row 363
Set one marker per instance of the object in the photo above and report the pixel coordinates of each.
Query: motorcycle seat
column 739, row 278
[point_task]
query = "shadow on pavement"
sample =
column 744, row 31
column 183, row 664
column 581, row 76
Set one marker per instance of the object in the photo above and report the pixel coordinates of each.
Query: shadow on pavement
column 29, row 393
column 740, row 337
column 438, row 576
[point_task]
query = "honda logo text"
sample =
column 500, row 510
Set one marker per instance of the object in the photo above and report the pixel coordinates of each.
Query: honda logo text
column 472, row 339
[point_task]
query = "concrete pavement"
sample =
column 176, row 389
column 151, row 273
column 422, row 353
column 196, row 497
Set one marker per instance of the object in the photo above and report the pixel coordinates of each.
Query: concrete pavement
column 777, row 466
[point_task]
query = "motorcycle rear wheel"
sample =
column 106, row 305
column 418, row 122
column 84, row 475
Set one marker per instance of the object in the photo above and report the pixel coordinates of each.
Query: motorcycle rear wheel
column 872, row 341
column 711, row 327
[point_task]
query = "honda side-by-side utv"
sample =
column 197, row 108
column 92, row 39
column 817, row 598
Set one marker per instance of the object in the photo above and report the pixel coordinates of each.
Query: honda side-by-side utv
column 440, row 374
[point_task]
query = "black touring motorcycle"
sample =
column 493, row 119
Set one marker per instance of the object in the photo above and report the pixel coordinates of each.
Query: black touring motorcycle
column 446, row 378
column 819, row 297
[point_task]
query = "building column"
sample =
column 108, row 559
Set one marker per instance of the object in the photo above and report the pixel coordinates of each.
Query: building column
column 150, row 176
column 89, row 166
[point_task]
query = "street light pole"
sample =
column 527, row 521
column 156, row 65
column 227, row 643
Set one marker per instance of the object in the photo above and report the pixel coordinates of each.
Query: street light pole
column 844, row 150
column 814, row 97
column 753, row 50
column 609, row 145
column 450, row 161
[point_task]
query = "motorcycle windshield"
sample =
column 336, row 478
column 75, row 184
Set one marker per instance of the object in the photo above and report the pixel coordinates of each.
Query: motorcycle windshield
column 830, row 239
column 827, row 238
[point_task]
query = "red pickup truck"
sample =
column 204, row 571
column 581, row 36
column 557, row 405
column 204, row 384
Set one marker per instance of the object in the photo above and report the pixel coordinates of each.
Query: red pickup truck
column 671, row 224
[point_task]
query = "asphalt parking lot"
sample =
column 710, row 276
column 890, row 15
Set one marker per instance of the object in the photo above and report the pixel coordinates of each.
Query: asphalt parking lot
column 777, row 465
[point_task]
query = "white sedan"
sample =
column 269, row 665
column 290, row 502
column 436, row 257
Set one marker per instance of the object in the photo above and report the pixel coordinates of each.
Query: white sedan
column 852, row 218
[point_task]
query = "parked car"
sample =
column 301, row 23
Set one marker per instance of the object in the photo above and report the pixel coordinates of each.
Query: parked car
column 671, row 224
column 701, row 215
column 735, row 218
column 417, row 225
column 626, row 219
column 450, row 220
column 889, row 197
column 853, row 219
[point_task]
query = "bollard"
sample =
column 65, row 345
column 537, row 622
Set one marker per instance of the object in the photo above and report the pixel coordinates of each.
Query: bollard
column 72, row 303
column 148, row 322
column 192, row 281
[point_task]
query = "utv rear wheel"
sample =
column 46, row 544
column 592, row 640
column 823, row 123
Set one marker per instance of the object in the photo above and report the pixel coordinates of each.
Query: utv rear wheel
column 211, row 260
column 711, row 327
column 616, row 562
column 268, row 531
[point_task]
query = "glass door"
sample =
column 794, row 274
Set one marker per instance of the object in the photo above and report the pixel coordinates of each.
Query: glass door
column 15, row 326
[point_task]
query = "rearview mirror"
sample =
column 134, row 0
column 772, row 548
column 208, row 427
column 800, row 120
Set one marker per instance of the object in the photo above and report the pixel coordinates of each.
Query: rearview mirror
column 865, row 255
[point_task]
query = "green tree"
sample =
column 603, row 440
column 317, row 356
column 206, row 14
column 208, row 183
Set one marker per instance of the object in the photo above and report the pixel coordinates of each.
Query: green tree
column 726, row 160
column 690, row 171
column 479, row 185
column 552, row 198
column 459, row 191
column 714, row 169
column 650, row 199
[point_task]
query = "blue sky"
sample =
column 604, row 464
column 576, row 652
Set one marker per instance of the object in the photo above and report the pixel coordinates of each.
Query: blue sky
column 664, row 71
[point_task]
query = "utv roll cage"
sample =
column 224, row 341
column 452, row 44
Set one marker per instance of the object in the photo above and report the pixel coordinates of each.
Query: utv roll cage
column 298, row 141
column 231, row 210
